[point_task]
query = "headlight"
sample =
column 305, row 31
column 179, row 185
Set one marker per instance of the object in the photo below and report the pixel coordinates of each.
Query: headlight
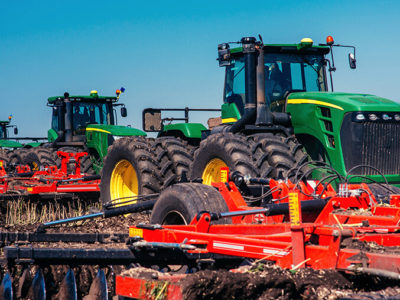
column 397, row 117
column 116, row 137
column 386, row 117
column 373, row 117
column 361, row 117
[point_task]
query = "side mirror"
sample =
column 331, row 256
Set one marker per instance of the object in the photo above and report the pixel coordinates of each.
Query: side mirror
column 15, row 130
column 124, row 112
column 152, row 120
column 352, row 61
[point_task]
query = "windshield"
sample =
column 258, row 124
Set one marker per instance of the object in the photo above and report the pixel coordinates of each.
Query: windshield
column 3, row 131
column 283, row 73
column 84, row 113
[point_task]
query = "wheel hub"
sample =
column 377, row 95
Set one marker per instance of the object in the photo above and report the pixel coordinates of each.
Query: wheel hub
column 124, row 182
column 212, row 171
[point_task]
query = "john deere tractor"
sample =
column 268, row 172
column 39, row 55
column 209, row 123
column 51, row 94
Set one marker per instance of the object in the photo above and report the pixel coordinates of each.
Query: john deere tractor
column 11, row 150
column 82, row 123
column 7, row 145
column 278, row 113
column 278, row 116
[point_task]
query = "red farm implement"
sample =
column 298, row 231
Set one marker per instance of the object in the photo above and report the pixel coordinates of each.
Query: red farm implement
column 50, row 181
column 302, row 225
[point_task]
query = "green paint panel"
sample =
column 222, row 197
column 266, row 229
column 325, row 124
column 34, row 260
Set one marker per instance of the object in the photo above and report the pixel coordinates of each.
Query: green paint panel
column 189, row 130
column 117, row 130
column 230, row 110
column 32, row 145
column 309, row 121
column 9, row 144
column 51, row 135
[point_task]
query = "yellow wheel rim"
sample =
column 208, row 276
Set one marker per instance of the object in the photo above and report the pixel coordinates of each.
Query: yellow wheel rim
column 35, row 166
column 124, row 183
column 212, row 171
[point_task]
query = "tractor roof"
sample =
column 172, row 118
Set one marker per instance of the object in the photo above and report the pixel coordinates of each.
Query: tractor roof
column 288, row 48
column 92, row 97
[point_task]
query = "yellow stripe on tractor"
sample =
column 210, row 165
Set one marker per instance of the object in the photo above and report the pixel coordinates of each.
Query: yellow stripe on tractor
column 317, row 102
column 229, row 120
column 97, row 129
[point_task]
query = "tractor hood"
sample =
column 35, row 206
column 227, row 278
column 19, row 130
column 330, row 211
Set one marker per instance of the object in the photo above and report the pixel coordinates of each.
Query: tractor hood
column 115, row 130
column 9, row 144
column 343, row 101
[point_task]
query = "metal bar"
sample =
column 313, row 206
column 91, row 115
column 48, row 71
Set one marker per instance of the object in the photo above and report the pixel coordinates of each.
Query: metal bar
column 244, row 212
column 190, row 109
column 273, row 209
column 127, row 209
column 85, row 178
column 12, row 237
column 74, row 219
column 69, row 256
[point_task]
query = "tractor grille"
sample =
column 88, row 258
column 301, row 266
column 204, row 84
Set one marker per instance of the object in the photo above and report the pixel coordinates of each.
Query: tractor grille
column 376, row 144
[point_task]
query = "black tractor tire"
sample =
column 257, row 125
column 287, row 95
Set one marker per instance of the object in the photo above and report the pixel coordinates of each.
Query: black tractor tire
column 222, row 149
column 38, row 158
column 275, row 155
column 130, row 169
column 16, row 156
column 180, row 203
column 86, row 162
column 174, row 159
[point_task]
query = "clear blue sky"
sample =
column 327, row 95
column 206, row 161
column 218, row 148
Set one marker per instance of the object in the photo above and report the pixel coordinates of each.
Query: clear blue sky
column 163, row 52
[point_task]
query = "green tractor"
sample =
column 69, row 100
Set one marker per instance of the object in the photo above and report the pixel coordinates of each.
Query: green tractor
column 277, row 117
column 278, row 114
column 83, row 123
column 11, row 150
column 6, row 144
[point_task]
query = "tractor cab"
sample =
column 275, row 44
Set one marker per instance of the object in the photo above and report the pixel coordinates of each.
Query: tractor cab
column 72, row 115
column 3, row 129
column 87, row 123
column 287, row 69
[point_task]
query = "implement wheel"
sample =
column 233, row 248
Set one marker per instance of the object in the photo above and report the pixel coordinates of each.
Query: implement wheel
column 222, row 150
column 130, row 169
column 180, row 203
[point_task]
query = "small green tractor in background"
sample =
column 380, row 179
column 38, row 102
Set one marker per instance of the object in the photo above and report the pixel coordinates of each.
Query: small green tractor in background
column 79, row 123
column 87, row 123
column 11, row 150
column 278, row 120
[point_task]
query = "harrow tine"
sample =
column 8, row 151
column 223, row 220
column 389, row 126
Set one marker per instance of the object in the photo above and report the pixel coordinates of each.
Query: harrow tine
column 68, row 290
column 39, row 286
column 6, row 288
column 98, row 289
column 24, row 282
